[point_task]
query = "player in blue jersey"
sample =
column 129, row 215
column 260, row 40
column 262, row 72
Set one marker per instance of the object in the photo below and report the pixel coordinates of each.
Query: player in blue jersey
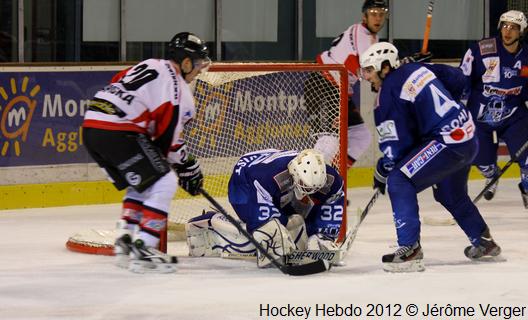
column 497, row 96
column 427, row 138
column 286, row 199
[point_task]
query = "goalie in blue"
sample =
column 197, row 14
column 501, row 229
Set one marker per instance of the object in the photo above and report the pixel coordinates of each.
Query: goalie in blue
column 428, row 139
column 288, row 200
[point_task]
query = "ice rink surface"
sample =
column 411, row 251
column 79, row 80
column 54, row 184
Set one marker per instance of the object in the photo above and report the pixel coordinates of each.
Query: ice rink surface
column 41, row 279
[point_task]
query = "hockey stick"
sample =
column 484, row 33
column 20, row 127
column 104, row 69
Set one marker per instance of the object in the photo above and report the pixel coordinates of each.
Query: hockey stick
column 351, row 234
column 513, row 159
column 427, row 30
column 293, row 270
column 296, row 257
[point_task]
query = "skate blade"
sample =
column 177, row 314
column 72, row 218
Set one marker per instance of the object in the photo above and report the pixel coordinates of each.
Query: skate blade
column 409, row 266
column 490, row 259
column 138, row 266
column 493, row 256
column 487, row 259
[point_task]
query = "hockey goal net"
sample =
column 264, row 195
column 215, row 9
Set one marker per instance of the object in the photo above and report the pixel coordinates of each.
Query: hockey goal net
column 244, row 107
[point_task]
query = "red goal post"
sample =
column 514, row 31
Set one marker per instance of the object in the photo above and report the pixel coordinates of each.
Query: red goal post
column 243, row 107
column 301, row 67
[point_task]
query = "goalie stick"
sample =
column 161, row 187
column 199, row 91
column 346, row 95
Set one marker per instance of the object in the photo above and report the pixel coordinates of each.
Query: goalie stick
column 293, row 270
column 296, row 257
column 513, row 159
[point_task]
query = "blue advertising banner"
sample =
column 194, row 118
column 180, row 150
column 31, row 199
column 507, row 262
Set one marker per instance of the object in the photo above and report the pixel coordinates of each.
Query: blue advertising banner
column 249, row 114
column 41, row 114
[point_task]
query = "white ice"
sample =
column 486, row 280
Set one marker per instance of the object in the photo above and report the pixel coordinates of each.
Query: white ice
column 41, row 279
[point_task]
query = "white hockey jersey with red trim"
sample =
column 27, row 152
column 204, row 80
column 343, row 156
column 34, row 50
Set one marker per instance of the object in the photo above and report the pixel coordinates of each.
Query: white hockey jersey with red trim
column 346, row 49
column 152, row 98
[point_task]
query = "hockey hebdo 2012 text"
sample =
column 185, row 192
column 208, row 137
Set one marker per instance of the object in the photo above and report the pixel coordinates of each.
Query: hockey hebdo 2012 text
column 430, row 310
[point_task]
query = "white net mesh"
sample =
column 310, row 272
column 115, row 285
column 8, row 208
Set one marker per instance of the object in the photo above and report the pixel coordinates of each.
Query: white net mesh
column 247, row 107
column 521, row 5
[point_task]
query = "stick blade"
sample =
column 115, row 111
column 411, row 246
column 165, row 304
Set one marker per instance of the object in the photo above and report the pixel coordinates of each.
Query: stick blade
column 307, row 269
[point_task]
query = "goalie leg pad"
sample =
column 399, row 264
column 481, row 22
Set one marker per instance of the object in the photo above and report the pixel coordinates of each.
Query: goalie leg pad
column 297, row 229
column 321, row 242
column 275, row 239
column 318, row 247
column 212, row 235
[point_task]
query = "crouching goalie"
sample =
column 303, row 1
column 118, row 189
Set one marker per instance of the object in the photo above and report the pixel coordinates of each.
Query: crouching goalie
column 287, row 200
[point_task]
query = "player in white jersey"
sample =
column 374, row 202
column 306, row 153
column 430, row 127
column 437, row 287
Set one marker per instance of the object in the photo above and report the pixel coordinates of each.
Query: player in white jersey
column 133, row 130
column 321, row 89
column 346, row 49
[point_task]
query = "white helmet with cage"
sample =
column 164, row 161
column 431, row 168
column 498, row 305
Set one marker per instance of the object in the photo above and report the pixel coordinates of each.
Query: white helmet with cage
column 378, row 53
column 514, row 16
column 308, row 170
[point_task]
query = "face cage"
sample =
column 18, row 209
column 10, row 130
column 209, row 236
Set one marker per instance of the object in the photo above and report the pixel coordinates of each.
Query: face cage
column 202, row 64
column 301, row 190
column 307, row 190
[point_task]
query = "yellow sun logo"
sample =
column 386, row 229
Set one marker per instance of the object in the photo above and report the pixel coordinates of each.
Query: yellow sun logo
column 17, row 114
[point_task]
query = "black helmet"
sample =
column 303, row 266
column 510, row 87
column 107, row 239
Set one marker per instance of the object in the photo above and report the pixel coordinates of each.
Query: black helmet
column 186, row 44
column 374, row 4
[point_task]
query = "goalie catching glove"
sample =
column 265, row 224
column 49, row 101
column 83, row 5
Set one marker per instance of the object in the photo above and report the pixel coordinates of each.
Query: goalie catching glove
column 190, row 176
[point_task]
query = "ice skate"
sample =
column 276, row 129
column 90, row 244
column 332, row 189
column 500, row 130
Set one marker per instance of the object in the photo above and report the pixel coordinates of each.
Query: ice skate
column 149, row 260
column 524, row 195
column 404, row 259
column 485, row 250
column 122, row 248
column 490, row 193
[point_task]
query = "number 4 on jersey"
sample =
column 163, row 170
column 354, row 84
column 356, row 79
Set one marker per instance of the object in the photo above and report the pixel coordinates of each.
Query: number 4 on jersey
column 442, row 104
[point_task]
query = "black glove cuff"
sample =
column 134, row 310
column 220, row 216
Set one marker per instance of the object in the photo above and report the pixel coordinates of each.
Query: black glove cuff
column 378, row 176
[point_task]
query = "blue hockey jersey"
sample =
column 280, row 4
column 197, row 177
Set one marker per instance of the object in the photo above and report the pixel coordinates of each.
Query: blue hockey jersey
column 261, row 188
column 496, row 91
column 416, row 104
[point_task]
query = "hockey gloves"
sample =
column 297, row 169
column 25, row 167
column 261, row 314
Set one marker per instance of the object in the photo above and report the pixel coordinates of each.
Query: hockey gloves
column 380, row 175
column 190, row 176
